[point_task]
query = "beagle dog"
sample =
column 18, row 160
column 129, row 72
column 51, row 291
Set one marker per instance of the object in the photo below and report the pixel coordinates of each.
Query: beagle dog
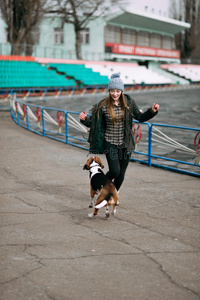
column 100, row 185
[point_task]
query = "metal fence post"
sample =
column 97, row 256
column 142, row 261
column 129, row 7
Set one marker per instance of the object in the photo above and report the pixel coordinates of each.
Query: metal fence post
column 17, row 113
column 43, row 123
column 27, row 119
column 149, row 145
column 66, row 126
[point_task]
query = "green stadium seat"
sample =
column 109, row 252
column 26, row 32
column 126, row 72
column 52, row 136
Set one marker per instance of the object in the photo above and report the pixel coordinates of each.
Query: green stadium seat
column 80, row 73
column 15, row 74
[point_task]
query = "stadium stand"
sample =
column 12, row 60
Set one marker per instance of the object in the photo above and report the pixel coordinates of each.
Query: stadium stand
column 133, row 74
column 189, row 72
column 17, row 74
column 28, row 73
column 87, row 76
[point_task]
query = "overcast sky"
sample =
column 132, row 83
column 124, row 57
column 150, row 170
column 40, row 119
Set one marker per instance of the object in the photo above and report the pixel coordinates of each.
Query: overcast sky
column 158, row 7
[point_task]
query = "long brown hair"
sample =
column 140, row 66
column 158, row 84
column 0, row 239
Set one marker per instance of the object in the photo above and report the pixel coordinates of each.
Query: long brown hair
column 109, row 103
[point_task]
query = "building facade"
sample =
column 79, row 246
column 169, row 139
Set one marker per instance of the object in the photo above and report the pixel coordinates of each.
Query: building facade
column 127, row 35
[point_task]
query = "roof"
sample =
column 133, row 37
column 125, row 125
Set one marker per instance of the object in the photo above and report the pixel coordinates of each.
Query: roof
column 142, row 20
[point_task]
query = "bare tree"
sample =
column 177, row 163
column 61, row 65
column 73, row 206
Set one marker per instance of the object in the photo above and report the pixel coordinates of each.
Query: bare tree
column 80, row 12
column 196, row 53
column 21, row 17
column 188, row 11
column 190, row 34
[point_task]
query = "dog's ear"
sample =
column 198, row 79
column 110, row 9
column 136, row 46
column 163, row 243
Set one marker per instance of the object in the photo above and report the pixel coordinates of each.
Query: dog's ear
column 102, row 166
column 98, row 160
column 86, row 167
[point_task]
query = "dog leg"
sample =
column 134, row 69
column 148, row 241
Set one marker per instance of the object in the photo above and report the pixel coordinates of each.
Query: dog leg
column 117, row 203
column 100, row 202
column 107, row 213
column 93, row 214
column 91, row 202
column 114, row 210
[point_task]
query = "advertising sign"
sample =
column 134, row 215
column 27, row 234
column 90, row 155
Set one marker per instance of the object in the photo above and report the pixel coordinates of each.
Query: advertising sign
column 142, row 51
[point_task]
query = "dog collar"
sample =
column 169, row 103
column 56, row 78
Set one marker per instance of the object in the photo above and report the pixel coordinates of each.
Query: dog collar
column 94, row 170
column 96, row 165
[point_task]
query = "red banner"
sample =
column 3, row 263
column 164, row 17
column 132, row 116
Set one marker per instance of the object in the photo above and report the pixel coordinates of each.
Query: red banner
column 142, row 51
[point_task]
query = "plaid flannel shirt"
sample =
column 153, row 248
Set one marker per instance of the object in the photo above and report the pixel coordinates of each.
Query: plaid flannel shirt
column 114, row 134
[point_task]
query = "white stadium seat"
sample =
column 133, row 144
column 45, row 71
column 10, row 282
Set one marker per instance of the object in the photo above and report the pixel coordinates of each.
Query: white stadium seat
column 190, row 72
column 131, row 74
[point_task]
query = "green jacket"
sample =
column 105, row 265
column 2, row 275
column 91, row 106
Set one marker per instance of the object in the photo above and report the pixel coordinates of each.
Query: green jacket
column 97, row 125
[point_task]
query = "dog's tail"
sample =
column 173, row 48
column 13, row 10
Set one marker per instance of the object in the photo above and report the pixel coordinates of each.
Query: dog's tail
column 104, row 202
column 108, row 196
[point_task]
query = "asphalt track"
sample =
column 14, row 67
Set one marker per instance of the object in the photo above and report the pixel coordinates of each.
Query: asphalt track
column 179, row 107
column 50, row 249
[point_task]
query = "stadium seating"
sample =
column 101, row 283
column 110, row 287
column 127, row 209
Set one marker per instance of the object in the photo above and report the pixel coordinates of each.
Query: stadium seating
column 28, row 72
column 17, row 74
column 80, row 73
column 131, row 74
column 190, row 72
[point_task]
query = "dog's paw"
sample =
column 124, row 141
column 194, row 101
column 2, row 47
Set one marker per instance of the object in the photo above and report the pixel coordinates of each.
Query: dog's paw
column 114, row 211
column 91, row 215
column 107, row 215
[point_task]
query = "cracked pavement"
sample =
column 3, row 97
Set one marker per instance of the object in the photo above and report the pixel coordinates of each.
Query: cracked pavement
column 50, row 249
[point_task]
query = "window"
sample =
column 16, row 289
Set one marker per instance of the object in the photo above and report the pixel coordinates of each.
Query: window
column 128, row 36
column 58, row 37
column 112, row 34
column 7, row 36
column 167, row 42
column 85, row 36
column 155, row 40
column 36, row 35
column 143, row 38
column 33, row 36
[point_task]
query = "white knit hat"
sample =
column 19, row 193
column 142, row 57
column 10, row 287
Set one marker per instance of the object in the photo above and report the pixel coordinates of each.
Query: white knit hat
column 115, row 82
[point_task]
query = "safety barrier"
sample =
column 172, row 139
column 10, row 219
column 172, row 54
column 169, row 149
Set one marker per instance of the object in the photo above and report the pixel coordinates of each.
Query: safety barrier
column 169, row 147
column 178, row 148
column 28, row 94
column 31, row 94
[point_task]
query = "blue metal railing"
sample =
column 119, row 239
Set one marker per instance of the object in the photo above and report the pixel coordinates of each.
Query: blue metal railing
column 151, row 156
column 46, row 124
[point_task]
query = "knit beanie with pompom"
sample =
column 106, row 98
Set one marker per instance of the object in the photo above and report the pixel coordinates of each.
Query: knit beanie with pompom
column 115, row 82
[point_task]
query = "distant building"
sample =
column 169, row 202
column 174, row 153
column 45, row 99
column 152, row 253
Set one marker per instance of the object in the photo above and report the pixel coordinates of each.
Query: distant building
column 128, row 35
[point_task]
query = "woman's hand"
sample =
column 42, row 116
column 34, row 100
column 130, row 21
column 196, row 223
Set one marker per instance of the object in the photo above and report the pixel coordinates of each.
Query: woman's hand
column 83, row 116
column 155, row 107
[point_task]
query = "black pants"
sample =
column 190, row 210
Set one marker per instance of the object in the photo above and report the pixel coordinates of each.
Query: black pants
column 118, row 159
